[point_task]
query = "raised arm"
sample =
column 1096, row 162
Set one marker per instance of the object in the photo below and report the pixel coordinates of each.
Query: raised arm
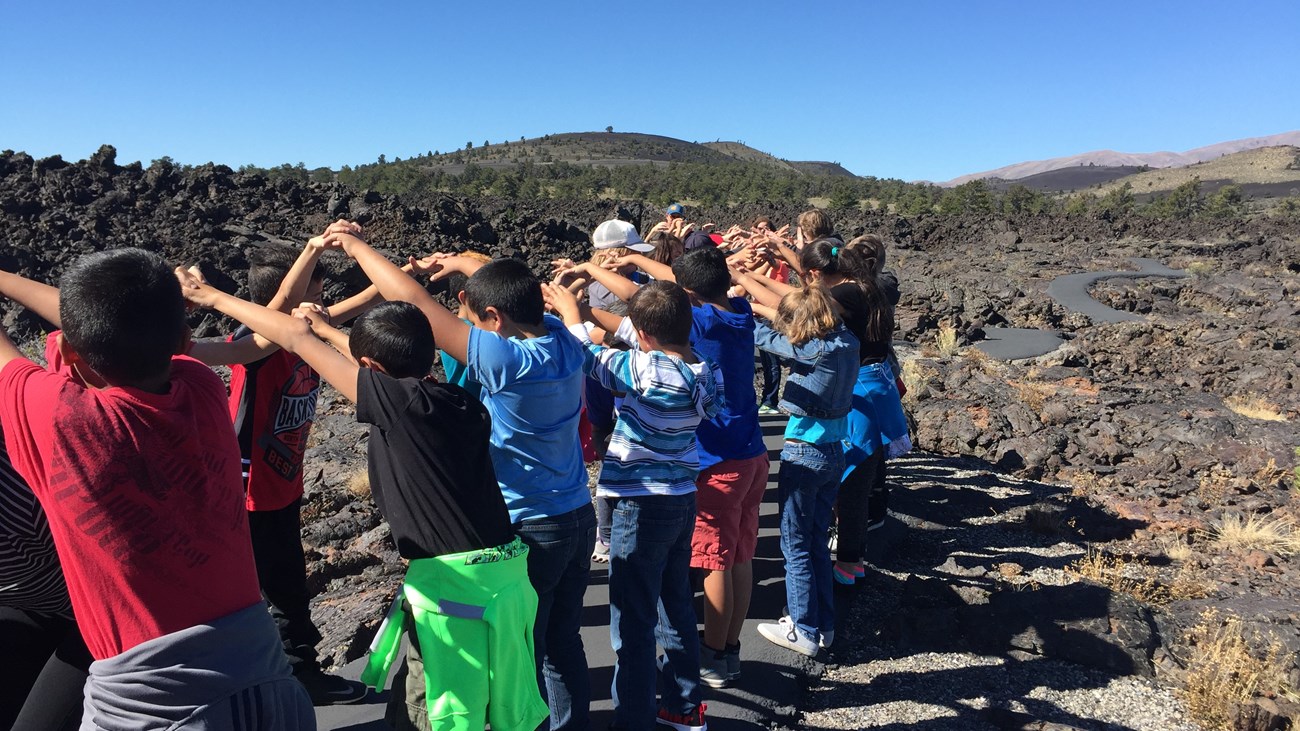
column 621, row 287
column 293, row 288
column 660, row 271
column 758, row 287
column 450, row 333
column 291, row 333
column 35, row 296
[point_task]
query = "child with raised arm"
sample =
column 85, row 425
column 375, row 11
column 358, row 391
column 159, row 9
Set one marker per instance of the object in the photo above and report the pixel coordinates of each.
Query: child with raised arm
column 130, row 450
column 531, row 370
column 733, row 458
column 648, row 478
column 469, row 626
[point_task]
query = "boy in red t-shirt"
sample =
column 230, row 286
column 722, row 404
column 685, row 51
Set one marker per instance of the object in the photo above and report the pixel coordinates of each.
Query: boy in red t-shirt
column 131, row 452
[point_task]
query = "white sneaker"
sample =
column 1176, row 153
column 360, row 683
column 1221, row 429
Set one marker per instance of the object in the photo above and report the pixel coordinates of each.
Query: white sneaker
column 785, row 634
column 826, row 639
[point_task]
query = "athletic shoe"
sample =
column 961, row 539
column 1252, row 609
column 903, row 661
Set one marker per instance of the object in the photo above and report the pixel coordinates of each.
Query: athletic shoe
column 713, row 667
column 826, row 639
column 843, row 577
column 600, row 554
column 876, row 524
column 733, row 661
column 833, row 538
column 693, row 721
column 330, row 690
column 785, row 634
column 766, row 410
column 859, row 571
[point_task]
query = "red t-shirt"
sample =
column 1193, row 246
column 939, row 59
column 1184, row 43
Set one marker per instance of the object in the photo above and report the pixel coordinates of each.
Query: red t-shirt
column 143, row 496
column 272, row 405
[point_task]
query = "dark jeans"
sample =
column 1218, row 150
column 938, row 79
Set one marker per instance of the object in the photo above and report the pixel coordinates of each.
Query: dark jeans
column 854, row 508
column 282, row 574
column 46, row 665
column 878, row 499
column 651, row 598
column 559, row 560
column 771, row 366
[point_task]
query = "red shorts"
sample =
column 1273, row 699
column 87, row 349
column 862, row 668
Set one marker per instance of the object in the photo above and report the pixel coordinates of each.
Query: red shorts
column 726, row 519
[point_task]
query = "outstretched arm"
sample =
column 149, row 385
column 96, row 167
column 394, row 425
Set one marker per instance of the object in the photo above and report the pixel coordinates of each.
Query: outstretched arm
column 758, row 288
column 35, row 296
column 291, row 333
column 621, row 287
column 662, row 272
column 449, row 332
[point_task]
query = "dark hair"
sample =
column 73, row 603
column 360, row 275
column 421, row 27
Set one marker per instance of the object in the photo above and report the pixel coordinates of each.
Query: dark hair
column 703, row 271
column 663, row 311
column 122, row 311
column 667, row 247
column 762, row 219
column 509, row 286
column 829, row 256
column 268, row 265
column 397, row 336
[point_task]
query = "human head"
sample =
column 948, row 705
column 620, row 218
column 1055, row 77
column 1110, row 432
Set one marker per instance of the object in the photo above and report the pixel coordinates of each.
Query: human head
column 667, row 247
column 268, row 265
column 675, row 211
column 662, row 310
column 703, row 272
column 805, row 314
column 873, row 248
column 123, row 315
column 815, row 224
column 501, row 290
column 762, row 223
column 394, row 337
column 829, row 258
column 617, row 234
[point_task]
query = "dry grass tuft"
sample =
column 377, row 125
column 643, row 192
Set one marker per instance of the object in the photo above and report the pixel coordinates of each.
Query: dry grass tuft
column 1199, row 269
column 945, row 341
column 914, row 374
column 359, row 484
column 1278, row 536
column 1086, row 484
column 1178, row 550
column 1135, row 577
column 1254, row 407
column 1045, row 520
column 1223, row 673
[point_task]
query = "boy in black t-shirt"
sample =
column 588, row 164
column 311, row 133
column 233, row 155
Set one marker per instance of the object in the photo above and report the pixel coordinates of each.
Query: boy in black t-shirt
column 432, row 478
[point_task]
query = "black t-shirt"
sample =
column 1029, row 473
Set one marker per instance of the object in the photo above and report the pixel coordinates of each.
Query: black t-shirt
column 430, row 471
column 856, row 312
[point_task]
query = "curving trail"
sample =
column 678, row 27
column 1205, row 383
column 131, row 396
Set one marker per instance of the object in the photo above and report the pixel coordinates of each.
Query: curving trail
column 1071, row 292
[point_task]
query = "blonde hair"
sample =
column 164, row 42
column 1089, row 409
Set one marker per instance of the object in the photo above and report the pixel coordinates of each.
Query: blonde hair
column 600, row 256
column 815, row 224
column 806, row 314
column 476, row 256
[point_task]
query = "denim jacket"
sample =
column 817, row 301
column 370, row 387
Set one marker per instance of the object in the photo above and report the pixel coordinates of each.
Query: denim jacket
column 822, row 371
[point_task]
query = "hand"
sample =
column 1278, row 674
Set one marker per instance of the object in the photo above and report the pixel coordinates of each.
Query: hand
column 562, row 302
column 342, row 226
column 560, row 265
column 707, row 227
column 342, row 240
column 619, row 262
column 431, row 264
column 194, row 288
column 314, row 314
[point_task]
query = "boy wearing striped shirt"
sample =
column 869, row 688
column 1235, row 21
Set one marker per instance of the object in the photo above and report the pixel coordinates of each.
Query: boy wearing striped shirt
column 648, row 474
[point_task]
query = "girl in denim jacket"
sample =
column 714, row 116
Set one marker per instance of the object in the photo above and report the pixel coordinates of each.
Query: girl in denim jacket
column 823, row 356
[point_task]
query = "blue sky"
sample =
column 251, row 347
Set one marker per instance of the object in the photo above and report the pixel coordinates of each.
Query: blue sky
column 915, row 90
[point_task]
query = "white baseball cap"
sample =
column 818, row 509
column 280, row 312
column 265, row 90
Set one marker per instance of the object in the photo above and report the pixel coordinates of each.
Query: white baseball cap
column 615, row 233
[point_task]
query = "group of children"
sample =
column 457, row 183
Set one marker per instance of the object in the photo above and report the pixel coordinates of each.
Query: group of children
column 175, row 531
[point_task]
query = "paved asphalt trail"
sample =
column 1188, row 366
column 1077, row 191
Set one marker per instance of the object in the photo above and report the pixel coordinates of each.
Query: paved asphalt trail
column 769, row 691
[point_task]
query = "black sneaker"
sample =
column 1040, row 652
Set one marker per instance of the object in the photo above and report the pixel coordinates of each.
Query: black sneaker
column 331, row 690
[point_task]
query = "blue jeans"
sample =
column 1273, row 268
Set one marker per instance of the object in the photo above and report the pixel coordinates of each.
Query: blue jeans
column 771, row 365
column 650, row 598
column 806, row 486
column 559, row 560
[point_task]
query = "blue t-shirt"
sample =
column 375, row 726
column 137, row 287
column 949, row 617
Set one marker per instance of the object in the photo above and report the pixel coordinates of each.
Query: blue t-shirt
column 532, row 387
column 727, row 339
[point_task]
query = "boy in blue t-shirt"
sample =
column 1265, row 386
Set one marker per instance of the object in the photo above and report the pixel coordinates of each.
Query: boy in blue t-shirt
column 648, row 479
column 531, row 371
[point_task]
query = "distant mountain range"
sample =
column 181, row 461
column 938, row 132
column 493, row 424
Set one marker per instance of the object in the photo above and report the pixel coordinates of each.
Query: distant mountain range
column 1129, row 162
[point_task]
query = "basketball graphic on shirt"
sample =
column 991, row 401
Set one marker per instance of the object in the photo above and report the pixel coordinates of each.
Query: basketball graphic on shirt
column 297, row 407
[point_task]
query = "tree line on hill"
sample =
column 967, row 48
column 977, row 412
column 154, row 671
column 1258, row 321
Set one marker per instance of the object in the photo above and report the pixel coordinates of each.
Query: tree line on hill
column 720, row 184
